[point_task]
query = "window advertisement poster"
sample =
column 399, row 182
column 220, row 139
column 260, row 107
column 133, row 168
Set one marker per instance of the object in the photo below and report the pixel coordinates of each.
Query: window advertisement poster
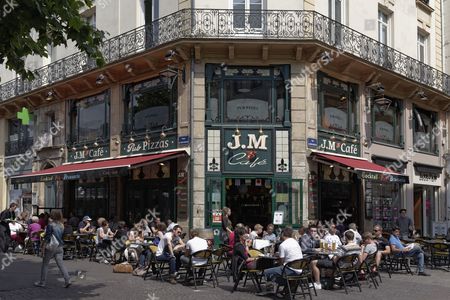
column 278, row 217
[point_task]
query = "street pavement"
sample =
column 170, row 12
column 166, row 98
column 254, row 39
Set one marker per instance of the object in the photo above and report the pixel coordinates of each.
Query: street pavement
column 97, row 281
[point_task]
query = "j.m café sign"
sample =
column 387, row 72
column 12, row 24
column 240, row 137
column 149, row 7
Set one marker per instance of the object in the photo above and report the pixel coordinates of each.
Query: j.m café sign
column 247, row 151
column 339, row 147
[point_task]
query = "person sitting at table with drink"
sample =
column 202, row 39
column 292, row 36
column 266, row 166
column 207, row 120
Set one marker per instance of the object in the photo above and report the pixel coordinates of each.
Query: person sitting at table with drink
column 240, row 249
column 269, row 234
column 329, row 262
column 354, row 228
column 289, row 250
column 257, row 232
column 232, row 238
column 331, row 237
column 411, row 250
column 194, row 245
column 33, row 234
column 85, row 225
column 166, row 251
column 310, row 240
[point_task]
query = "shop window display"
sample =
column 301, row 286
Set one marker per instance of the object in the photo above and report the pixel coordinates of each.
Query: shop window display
column 382, row 203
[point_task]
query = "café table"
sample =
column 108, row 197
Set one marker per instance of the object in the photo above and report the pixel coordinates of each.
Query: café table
column 438, row 248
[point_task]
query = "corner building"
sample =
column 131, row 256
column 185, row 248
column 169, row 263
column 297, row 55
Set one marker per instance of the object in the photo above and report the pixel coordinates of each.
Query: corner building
column 305, row 109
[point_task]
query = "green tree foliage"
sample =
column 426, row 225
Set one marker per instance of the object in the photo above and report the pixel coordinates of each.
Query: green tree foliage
column 27, row 27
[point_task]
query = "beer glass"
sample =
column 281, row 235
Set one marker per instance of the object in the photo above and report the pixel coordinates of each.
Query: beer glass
column 333, row 246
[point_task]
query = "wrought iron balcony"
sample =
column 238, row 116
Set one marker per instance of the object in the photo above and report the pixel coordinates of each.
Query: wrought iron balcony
column 203, row 24
column 18, row 147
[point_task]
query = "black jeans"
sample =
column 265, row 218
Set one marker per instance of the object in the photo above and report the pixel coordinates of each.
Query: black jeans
column 4, row 238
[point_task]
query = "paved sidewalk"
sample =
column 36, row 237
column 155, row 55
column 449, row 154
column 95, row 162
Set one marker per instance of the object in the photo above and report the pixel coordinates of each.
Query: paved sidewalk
column 98, row 282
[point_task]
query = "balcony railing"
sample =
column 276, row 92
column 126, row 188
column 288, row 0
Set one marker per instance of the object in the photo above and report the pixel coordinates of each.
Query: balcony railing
column 18, row 147
column 206, row 24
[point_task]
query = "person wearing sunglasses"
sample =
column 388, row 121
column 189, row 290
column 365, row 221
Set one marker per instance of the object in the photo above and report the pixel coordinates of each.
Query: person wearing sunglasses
column 382, row 243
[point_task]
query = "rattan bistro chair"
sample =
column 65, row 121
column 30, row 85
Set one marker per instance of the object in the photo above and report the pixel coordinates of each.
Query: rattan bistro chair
column 440, row 255
column 368, row 266
column 347, row 270
column 302, row 280
column 206, row 256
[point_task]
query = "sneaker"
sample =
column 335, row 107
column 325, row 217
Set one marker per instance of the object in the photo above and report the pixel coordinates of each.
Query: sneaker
column 423, row 274
column 317, row 286
column 67, row 284
column 39, row 284
column 172, row 280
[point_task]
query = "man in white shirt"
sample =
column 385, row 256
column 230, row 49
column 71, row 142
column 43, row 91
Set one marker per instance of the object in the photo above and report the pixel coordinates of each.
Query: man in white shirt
column 354, row 229
column 166, row 250
column 289, row 251
column 332, row 237
column 195, row 244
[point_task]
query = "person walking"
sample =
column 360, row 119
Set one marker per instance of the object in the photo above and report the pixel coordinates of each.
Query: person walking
column 405, row 224
column 54, row 228
column 5, row 235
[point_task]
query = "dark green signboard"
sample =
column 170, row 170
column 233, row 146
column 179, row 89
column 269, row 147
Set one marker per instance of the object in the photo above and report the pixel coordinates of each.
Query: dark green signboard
column 88, row 154
column 148, row 146
column 247, row 152
column 339, row 147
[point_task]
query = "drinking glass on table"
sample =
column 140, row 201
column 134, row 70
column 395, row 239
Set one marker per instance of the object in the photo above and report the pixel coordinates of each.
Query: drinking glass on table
column 333, row 246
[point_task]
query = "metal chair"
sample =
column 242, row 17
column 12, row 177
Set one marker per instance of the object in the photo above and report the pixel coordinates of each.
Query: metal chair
column 440, row 255
column 206, row 256
column 347, row 270
column 302, row 279
column 368, row 266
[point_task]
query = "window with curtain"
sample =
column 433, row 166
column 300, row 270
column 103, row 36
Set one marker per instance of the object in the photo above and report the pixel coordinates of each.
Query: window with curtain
column 425, row 129
column 386, row 123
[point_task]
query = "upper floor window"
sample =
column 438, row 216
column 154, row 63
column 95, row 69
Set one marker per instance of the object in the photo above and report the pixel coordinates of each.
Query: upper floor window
column 246, row 94
column 336, row 10
column 90, row 118
column 247, row 13
column 425, row 125
column 90, row 16
column 20, row 137
column 337, row 106
column 422, row 47
column 150, row 105
column 387, row 122
column 383, row 27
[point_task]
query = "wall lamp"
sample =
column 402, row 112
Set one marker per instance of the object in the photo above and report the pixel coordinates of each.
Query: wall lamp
column 131, row 140
column 163, row 135
column 100, row 79
column 50, row 95
column 96, row 144
column 422, row 96
column 377, row 87
column 170, row 55
column 128, row 68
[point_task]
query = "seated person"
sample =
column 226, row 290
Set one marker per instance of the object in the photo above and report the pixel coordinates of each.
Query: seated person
column 289, row 250
column 195, row 244
column 15, row 228
column 257, row 232
column 240, row 249
column 398, row 248
column 309, row 241
column 269, row 234
column 329, row 263
column 154, row 225
column 33, row 233
column 67, row 228
column 382, row 243
column 166, row 251
column 332, row 237
column 354, row 228
column 368, row 246
column 85, row 225
column 232, row 238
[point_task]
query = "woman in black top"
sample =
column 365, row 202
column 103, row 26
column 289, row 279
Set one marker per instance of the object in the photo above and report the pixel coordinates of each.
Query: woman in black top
column 241, row 249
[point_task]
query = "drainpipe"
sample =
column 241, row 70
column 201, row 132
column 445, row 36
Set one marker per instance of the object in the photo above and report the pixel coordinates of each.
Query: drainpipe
column 191, row 124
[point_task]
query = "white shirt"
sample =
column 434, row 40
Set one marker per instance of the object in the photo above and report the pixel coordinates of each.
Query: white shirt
column 254, row 235
column 330, row 238
column 162, row 243
column 357, row 238
column 290, row 250
column 15, row 228
column 197, row 244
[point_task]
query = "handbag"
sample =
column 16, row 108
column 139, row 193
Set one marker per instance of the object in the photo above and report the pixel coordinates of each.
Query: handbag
column 53, row 245
column 124, row 267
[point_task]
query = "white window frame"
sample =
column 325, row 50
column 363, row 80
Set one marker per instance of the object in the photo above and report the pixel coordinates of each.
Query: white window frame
column 422, row 41
column 247, row 10
column 387, row 24
column 332, row 10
